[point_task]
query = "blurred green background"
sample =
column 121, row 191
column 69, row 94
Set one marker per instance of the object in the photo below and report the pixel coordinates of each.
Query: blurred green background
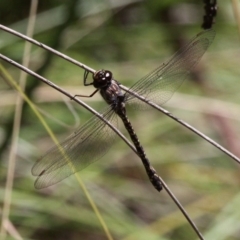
column 130, row 38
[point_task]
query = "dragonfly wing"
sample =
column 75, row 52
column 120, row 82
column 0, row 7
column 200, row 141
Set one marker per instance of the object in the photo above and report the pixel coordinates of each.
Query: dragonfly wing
column 158, row 86
column 86, row 145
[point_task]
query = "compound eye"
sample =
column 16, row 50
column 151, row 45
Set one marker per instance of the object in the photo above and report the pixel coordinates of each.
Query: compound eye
column 100, row 75
column 108, row 75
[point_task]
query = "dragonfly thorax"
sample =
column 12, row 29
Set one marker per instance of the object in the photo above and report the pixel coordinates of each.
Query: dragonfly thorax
column 112, row 94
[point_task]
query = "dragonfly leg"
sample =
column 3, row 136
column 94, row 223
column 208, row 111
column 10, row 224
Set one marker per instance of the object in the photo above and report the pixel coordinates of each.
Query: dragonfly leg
column 85, row 76
column 88, row 96
column 86, row 84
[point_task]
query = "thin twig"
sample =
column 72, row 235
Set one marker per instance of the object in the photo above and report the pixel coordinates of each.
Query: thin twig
column 109, row 124
column 126, row 89
column 81, row 65
column 184, row 212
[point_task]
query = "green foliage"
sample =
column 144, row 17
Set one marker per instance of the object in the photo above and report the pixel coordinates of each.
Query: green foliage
column 130, row 40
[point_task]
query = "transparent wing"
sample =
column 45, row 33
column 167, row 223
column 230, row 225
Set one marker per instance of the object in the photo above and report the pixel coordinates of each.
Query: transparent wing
column 86, row 145
column 158, row 86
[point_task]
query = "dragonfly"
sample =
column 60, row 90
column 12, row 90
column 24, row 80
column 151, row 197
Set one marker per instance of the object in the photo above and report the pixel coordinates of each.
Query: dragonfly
column 94, row 139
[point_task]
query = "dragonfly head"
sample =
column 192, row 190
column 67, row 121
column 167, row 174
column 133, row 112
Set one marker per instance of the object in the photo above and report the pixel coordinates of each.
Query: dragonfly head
column 102, row 78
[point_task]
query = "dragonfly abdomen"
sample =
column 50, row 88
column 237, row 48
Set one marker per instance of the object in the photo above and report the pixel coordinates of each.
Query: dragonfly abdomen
column 151, row 172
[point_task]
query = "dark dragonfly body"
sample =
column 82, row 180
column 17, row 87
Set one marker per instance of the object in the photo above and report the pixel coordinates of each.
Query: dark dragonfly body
column 210, row 8
column 112, row 94
column 93, row 140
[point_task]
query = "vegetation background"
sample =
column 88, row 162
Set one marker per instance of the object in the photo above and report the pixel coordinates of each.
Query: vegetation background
column 130, row 38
